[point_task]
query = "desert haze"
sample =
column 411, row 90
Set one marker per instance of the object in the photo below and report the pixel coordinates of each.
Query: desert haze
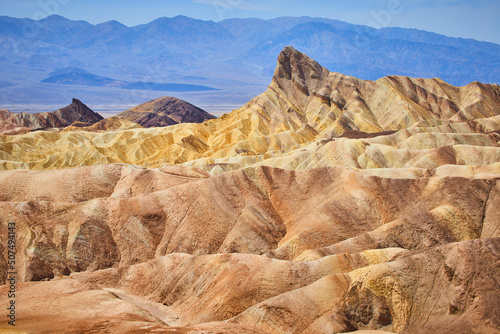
column 213, row 63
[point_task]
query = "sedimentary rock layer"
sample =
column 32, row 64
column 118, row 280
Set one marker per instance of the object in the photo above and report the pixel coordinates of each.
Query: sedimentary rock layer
column 144, row 213
column 304, row 104
column 264, row 249
column 11, row 123
column 325, row 205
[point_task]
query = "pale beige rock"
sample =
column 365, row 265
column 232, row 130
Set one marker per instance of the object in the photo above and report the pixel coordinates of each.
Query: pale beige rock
column 65, row 306
column 108, row 124
column 449, row 288
column 443, row 289
column 121, row 215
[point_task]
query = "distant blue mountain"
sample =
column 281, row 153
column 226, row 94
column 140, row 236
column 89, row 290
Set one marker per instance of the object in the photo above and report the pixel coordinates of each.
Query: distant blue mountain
column 233, row 54
column 80, row 77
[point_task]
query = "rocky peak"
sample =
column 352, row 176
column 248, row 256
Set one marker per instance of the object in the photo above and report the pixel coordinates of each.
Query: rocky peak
column 84, row 111
column 298, row 68
column 165, row 111
column 77, row 111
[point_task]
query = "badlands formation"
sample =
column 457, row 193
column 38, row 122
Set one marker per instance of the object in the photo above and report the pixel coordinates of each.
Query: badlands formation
column 75, row 113
column 305, row 119
column 165, row 111
column 327, row 204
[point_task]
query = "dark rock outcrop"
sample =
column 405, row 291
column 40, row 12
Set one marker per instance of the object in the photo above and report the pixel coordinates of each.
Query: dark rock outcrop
column 165, row 111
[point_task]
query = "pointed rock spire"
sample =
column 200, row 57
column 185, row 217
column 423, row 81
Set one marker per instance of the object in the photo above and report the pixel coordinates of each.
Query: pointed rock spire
column 299, row 68
column 77, row 111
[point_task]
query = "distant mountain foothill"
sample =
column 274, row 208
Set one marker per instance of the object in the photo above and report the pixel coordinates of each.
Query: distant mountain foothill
column 160, row 112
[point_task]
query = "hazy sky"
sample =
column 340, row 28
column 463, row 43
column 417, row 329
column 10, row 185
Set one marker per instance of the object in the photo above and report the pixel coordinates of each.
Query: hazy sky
column 479, row 19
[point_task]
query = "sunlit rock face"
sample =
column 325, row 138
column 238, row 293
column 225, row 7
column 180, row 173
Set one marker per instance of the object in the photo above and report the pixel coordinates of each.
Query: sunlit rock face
column 297, row 123
column 325, row 205
column 337, row 249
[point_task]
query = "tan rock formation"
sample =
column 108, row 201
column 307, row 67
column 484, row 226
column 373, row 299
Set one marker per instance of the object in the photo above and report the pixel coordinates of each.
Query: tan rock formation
column 443, row 289
column 108, row 124
column 76, row 112
column 449, row 288
column 342, row 205
column 118, row 215
column 304, row 104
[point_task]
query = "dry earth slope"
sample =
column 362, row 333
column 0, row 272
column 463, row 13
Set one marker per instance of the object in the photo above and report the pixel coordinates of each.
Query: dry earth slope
column 17, row 123
column 255, row 250
column 325, row 205
column 305, row 109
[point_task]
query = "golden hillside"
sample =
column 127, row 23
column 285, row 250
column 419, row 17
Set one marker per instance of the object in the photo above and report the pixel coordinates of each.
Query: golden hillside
column 325, row 205
column 305, row 107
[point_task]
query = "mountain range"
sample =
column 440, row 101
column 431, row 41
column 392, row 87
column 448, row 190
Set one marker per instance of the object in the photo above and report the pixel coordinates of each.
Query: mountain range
column 235, row 55
column 296, row 123
column 80, row 77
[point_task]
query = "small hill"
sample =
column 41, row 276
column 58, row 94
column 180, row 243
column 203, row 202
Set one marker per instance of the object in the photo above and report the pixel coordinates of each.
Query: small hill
column 165, row 111
column 15, row 123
